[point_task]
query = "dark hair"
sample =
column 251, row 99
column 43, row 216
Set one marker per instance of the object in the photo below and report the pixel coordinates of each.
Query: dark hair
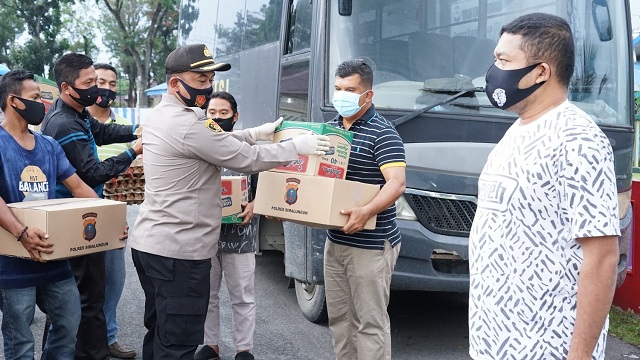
column 359, row 67
column 225, row 96
column 104, row 66
column 11, row 83
column 546, row 38
column 68, row 67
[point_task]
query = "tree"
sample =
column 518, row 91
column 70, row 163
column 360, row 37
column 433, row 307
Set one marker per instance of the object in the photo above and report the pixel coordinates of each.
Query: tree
column 136, row 30
column 188, row 15
column 43, row 22
column 10, row 28
column 79, row 31
column 128, row 68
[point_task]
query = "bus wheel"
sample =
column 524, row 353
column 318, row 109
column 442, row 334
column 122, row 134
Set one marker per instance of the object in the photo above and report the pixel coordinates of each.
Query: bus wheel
column 311, row 300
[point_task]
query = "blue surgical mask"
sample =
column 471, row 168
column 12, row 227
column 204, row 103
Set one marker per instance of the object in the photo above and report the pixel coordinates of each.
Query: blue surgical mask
column 346, row 103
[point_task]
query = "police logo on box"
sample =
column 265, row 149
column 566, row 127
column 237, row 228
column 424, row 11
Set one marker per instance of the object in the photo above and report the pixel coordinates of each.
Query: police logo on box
column 291, row 191
column 89, row 231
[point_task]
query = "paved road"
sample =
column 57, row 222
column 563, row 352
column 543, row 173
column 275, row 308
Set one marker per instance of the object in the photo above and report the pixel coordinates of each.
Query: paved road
column 424, row 325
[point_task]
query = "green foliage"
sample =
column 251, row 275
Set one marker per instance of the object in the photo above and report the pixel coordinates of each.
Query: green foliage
column 624, row 325
column 10, row 27
column 78, row 31
column 188, row 15
column 122, row 88
column 42, row 20
column 164, row 42
column 140, row 34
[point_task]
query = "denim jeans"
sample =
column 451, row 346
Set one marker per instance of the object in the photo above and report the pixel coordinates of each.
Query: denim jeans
column 60, row 301
column 115, row 274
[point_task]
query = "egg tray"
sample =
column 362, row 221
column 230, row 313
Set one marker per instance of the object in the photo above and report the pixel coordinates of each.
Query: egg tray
column 127, row 187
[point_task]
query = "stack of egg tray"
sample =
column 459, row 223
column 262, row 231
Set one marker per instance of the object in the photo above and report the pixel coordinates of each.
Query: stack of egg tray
column 128, row 186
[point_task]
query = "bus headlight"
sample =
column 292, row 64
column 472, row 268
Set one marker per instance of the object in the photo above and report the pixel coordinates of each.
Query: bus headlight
column 403, row 210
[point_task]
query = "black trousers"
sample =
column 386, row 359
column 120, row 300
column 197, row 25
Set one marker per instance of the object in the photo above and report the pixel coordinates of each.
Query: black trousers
column 91, row 341
column 176, row 300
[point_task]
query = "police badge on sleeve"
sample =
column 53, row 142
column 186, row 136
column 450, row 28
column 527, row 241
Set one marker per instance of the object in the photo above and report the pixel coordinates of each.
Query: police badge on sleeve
column 213, row 126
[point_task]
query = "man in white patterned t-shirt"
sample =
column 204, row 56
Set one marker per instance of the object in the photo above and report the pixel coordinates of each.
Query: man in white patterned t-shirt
column 543, row 245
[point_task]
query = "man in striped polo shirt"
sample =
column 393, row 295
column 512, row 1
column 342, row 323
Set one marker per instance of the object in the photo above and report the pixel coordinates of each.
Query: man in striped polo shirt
column 358, row 263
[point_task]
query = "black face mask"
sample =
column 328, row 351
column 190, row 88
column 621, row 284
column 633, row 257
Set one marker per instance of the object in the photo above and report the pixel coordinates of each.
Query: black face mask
column 198, row 97
column 225, row 124
column 502, row 86
column 33, row 111
column 87, row 97
column 105, row 97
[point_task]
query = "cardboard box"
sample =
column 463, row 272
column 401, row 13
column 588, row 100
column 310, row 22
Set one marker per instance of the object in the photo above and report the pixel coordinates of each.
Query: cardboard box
column 311, row 200
column 49, row 92
column 75, row 226
column 234, row 192
column 333, row 164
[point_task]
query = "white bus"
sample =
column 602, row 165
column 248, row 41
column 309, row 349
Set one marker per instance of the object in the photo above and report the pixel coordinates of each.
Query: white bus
column 283, row 56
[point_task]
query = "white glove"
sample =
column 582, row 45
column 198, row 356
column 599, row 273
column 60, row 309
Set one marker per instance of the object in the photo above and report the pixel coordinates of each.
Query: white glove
column 311, row 144
column 265, row 131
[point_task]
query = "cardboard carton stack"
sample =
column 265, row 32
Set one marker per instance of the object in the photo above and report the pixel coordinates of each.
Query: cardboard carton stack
column 128, row 186
column 312, row 190
column 333, row 164
column 234, row 192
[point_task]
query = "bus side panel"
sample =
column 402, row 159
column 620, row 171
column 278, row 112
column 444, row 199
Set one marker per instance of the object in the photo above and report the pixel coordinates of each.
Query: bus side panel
column 295, row 251
column 258, row 77
column 304, row 253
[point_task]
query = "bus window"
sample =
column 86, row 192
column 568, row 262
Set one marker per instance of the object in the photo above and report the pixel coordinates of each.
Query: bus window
column 246, row 35
column 262, row 23
column 426, row 50
column 294, row 91
column 299, row 27
column 230, row 27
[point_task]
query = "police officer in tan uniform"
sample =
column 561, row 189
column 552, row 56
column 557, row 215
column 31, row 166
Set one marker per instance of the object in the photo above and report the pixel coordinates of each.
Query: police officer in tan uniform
column 178, row 227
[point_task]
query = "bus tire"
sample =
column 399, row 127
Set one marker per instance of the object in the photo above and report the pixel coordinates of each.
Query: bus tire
column 312, row 301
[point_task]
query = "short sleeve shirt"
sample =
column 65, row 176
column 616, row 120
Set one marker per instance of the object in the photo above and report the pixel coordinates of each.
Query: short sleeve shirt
column 115, row 149
column 544, row 185
column 31, row 174
column 27, row 175
column 376, row 145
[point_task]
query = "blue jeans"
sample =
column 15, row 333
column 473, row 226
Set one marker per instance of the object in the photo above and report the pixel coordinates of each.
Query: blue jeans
column 60, row 300
column 115, row 274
